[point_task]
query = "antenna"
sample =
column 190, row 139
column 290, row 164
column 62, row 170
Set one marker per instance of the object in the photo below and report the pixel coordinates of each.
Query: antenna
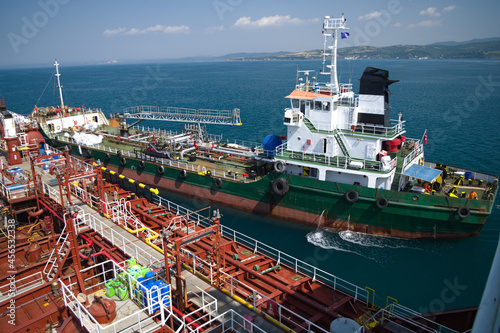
column 59, row 83
column 331, row 27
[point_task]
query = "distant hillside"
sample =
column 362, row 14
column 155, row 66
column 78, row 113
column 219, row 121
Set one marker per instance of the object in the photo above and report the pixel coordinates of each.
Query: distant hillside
column 489, row 49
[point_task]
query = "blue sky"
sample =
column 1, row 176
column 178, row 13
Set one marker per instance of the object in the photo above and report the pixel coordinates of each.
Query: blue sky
column 89, row 32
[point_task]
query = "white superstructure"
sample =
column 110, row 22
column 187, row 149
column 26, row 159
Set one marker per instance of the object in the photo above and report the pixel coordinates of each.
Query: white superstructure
column 335, row 135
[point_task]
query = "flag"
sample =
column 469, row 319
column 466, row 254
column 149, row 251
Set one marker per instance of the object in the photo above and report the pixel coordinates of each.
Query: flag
column 425, row 137
column 344, row 35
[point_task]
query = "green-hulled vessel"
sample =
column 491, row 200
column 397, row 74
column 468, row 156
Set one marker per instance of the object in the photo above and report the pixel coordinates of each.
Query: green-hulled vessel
column 344, row 164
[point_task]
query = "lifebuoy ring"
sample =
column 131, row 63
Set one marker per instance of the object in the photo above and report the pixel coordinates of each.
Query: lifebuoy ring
column 160, row 169
column 88, row 121
column 351, row 196
column 75, row 122
column 463, row 212
column 58, row 127
column 279, row 166
column 142, row 164
column 107, row 156
column 183, row 174
column 280, row 186
column 218, row 182
column 382, row 203
column 123, row 161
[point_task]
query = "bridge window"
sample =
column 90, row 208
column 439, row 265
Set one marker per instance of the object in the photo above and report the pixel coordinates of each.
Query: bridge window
column 318, row 105
column 295, row 103
column 326, row 106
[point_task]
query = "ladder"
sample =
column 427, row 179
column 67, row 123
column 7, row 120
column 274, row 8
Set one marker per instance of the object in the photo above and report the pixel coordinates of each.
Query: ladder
column 59, row 252
column 339, row 136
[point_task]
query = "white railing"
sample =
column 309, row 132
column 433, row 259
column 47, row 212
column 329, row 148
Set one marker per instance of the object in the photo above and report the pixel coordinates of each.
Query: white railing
column 135, row 322
column 334, row 161
column 338, row 284
column 230, row 321
column 400, row 313
column 254, row 298
column 21, row 285
column 143, row 256
column 417, row 150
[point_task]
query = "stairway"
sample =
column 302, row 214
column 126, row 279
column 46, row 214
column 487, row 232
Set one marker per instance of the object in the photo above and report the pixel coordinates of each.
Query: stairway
column 340, row 140
column 57, row 254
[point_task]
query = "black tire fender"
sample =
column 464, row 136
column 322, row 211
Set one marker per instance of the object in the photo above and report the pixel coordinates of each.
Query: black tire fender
column 463, row 212
column 107, row 156
column 218, row 182
column 351, row 196
column 382, row 203
column 279, row 166
column 160, row 169
column 123, row 161
column 183, row 174
column 142, row 164
column 280, row 186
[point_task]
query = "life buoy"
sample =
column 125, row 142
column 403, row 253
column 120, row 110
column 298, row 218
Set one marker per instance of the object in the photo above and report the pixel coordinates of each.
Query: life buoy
column 107, row 156
column 142, row 164
column 75, row 122
column 382, row 203
column 58, row 127
column 218, row 182
column 280, row 186
column 88, row 121
column 123, row 161
column 183, row 174
column 351, row 196
column 279, row 166
column 463, row 212
column 160, row 169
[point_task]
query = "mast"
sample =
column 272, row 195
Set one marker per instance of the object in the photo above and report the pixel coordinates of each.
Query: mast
column 59, row 83
column 331, row 28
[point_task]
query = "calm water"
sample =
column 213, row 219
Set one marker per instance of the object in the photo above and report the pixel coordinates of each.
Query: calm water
column 457, row 101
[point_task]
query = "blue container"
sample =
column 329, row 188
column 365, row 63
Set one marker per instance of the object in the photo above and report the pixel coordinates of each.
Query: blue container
column 468, row 175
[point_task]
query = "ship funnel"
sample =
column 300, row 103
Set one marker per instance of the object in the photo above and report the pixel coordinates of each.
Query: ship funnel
column 374, row 107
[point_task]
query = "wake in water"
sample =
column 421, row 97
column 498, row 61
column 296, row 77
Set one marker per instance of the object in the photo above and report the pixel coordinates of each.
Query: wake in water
column 367, row 246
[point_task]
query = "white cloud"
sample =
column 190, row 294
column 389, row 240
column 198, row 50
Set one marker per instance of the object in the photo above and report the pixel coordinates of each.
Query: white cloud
column 268, row 21
column 397, row 24
column 448, row 9
column 211, row 30
column 181, row 29
column 426, row 24
column 112, row 32
column 431, row 11
column 369, row 16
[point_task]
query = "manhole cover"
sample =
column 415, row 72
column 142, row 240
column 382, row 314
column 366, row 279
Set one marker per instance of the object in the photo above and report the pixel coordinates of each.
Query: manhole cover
column 246, row 252
column 297, row 278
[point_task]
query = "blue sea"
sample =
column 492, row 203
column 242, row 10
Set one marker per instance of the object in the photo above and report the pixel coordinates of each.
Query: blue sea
column 456, row 101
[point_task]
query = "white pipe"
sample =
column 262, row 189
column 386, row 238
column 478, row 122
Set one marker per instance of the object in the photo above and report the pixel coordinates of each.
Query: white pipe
column 185, row 151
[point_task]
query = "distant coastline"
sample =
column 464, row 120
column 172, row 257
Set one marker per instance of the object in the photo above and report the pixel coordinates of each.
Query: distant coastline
column 475, row 49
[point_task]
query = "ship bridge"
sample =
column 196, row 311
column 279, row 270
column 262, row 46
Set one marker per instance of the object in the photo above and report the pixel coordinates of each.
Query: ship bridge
column 205, row 116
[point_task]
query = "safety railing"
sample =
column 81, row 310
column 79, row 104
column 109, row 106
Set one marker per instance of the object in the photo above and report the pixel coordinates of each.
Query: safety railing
column 335, row 161
column 20, row 285
column 135, row 322
column 230, row 321
column 297, row 265
column 143, row 256
column 403, row 315
column 415, row 152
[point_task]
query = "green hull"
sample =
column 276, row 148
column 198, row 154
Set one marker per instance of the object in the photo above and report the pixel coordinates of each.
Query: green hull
column 408, row 215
